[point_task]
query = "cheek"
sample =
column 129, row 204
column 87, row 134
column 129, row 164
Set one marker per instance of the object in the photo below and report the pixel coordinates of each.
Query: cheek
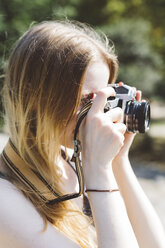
column 69, row 133
column 71, row 127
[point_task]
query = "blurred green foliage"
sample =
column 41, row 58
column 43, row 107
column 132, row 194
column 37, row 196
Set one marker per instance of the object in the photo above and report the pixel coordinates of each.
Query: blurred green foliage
column 136, row 27
column 140, row 64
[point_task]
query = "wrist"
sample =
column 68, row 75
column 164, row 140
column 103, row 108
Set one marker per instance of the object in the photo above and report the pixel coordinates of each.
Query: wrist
column 124, row 159
column 121, row 165
column 104, row 179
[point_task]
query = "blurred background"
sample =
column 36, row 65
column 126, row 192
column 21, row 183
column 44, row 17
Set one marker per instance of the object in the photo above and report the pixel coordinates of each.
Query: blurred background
column 137, row 30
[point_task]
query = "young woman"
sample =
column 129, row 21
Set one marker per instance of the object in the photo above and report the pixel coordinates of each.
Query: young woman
column 54, row 70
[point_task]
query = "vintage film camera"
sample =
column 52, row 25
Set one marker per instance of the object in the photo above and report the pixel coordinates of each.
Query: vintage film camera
column 136, row 114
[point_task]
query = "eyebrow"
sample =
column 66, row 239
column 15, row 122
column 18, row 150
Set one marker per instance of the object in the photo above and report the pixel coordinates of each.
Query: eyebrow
column 85, row 96
column 88, row 96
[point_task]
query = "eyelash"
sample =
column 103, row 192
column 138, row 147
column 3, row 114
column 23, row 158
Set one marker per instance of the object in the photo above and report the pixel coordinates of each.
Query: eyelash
column 86, row 99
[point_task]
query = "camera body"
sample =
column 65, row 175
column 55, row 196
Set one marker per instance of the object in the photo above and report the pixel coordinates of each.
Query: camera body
column 136, row 114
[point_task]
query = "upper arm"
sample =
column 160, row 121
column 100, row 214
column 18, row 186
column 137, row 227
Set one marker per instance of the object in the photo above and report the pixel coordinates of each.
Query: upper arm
column 22, row 226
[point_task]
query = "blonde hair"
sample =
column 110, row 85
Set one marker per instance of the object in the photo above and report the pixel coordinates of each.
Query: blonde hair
column 42, row 90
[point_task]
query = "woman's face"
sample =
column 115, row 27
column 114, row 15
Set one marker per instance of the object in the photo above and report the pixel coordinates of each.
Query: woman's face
column 96, row 78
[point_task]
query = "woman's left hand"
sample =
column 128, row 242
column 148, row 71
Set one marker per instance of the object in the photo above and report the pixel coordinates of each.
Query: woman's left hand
column 129, row 137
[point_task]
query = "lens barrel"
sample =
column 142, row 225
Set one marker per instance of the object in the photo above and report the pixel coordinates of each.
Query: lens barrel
column 137, row 116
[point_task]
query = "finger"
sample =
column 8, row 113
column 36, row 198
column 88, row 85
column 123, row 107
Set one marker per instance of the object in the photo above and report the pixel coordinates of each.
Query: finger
column 115, row 114
column 138, row 95
column 101, row 99
column 121, row 127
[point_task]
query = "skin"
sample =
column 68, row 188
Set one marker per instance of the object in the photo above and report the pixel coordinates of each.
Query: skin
column 96, row 81
column 106, row 165
column 102, row 137
column 119, row 220
column 96, row 78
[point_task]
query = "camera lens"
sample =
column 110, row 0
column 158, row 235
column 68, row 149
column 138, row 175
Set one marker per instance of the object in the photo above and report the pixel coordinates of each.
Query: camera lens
column 137, row 116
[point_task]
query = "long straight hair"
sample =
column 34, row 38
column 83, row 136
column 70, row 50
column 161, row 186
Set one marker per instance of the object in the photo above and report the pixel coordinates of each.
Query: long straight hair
column 42, row 91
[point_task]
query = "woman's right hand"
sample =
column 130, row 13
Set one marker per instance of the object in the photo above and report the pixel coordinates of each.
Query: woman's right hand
column 102, row 136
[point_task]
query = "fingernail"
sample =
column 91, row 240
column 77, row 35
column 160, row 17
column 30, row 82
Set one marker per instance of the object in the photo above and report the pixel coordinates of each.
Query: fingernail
column 120, row 83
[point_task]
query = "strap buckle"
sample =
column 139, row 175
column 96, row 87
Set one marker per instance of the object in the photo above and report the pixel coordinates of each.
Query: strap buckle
column 77, row 148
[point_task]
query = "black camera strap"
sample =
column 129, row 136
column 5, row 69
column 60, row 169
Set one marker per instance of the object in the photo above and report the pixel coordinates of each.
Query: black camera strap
column 33, row 180
column 77, row 146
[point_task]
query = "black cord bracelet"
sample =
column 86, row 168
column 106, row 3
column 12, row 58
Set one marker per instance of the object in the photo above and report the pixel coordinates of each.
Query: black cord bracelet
column 103, row 190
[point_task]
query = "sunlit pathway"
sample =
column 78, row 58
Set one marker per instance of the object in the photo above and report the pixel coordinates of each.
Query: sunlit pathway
column 152, row 180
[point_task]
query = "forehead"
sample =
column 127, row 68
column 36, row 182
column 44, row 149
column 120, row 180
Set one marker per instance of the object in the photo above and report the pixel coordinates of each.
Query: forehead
column 96, row 77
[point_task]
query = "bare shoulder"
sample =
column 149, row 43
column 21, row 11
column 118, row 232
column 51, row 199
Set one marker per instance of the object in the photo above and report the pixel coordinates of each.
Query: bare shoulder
column 22, row 226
